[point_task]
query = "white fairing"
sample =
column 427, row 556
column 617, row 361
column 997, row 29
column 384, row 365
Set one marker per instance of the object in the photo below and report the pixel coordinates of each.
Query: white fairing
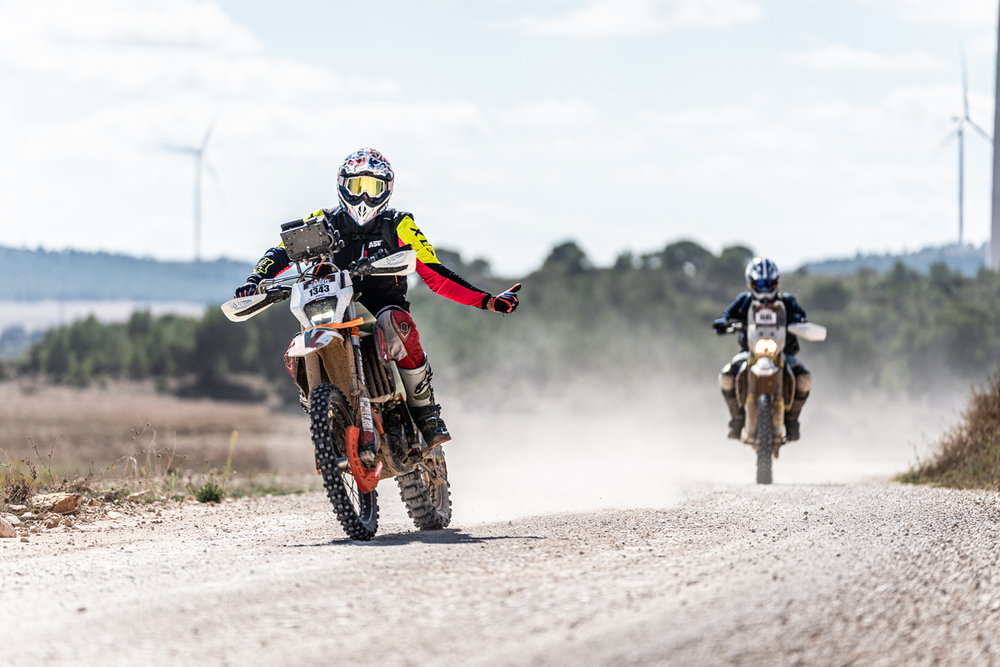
column 814, row 333
column 400, row 263
column 337, row 285
column 766, row 320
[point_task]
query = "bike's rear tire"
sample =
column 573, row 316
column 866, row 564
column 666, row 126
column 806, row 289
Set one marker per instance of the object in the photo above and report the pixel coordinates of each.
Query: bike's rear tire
column 427, row 494
column 357, row 511
column 765, row 439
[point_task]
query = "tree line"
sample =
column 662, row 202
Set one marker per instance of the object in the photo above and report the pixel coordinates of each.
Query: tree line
column 645, row 318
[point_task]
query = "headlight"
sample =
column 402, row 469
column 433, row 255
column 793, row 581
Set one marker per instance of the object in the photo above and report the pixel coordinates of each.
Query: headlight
column 321, row 311
column 765, row 347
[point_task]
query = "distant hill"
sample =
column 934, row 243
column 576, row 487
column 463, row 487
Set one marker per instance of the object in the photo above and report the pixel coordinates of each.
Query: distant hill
column 71, row 274
column 966, row 260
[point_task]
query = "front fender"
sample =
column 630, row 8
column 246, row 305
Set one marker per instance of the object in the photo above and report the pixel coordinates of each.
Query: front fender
column 310, row 341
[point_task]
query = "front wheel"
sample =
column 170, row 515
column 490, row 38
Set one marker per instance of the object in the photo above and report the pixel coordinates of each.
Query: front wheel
column 765, row 439
column 427, row 494
column 357, row 511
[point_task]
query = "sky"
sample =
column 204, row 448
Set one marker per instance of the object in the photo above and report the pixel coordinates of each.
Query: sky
column 804, row 129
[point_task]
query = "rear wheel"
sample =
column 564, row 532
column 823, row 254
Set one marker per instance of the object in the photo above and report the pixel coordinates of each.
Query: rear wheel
column 357, row 511
column 427, row 494
column 765, row 439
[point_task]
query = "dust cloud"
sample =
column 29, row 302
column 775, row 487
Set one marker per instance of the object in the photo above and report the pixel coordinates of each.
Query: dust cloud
column 572, row 454
column 577, row 451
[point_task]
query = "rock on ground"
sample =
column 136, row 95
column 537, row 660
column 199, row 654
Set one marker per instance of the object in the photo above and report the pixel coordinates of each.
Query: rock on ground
column 57, row 503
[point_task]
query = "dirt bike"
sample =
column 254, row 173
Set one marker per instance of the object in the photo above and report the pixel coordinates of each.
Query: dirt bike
column 765, row 385
column 351, row 389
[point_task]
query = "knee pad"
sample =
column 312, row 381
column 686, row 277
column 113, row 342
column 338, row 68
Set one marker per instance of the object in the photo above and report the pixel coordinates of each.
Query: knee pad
column 398, row 337
column 727, row 382
column 804, row 383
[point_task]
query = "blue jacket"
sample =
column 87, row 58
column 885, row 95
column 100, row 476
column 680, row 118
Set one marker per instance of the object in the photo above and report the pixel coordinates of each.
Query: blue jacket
column 740, row 308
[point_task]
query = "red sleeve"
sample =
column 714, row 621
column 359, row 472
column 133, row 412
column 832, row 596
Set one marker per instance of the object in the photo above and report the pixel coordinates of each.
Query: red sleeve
column 438, row 277
column 450, row 285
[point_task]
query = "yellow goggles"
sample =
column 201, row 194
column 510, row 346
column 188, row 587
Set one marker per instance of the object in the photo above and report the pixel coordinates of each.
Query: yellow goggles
column 369, row 185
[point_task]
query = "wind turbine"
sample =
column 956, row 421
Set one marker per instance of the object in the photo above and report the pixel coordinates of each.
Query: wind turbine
column 198, row 152
column 960, row 124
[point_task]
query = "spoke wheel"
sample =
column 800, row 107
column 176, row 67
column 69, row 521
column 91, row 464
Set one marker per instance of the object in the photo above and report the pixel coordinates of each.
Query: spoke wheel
column 765, row 439
column 426, row 493
column 356, row 510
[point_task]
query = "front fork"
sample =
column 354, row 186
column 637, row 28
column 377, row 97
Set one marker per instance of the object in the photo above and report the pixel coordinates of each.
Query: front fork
column 765, row 376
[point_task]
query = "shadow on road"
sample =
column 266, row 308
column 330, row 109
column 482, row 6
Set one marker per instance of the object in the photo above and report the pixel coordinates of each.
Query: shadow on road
column 447, row 536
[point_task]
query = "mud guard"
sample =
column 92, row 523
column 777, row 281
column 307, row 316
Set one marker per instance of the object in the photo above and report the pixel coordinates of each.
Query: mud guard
column 367, row 478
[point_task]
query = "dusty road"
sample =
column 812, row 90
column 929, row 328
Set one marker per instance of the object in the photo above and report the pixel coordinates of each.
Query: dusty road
column 857, row 574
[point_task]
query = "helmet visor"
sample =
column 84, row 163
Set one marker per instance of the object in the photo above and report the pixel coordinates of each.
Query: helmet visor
column 764, row 285
column 369, row 185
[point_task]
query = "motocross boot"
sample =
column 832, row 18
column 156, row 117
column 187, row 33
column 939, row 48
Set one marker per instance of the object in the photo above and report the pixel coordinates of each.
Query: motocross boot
column 420, row 399
column 792, row 417
column 738, row 416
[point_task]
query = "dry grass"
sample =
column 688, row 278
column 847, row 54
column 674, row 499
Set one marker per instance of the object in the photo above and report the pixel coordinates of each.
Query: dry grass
column 127, row 443
column 97, row 427
column 967, row 456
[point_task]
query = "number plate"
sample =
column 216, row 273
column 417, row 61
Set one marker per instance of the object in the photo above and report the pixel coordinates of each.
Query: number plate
column 765, row 317
column 321, row 288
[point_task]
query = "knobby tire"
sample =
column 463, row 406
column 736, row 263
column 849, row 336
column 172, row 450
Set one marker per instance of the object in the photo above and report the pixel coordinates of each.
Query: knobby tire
column 428, row 504
column 356, row 511
column 765, row 439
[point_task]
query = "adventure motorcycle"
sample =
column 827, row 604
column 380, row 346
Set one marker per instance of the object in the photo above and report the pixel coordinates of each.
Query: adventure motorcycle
column 765, row 385
column 348, row 384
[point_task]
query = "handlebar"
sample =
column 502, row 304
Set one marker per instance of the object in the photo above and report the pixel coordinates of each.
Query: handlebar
column 732, row 326
column 363, row 267
column 279, row 293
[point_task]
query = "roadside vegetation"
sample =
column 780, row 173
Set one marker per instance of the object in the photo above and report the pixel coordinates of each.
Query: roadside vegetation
column 968, row 455
column 144, row 473
column 641, row 323
column 637, row 320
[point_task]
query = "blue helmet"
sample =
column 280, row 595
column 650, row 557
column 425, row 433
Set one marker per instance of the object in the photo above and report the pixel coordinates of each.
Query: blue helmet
column 762, row 278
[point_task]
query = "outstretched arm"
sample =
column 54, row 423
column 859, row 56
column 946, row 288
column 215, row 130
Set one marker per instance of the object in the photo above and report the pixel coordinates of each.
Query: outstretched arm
column 439, row 277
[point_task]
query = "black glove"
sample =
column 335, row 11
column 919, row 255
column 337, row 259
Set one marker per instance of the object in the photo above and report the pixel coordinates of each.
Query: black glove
column 505, row 302
column 720, row 327
column 248, row 289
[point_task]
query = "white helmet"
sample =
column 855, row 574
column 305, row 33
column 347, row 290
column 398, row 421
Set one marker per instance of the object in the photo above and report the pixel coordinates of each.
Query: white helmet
column 364, row 184
column 762, row 279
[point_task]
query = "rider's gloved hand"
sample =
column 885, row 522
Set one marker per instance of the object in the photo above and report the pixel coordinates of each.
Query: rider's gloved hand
column 720, row 327
column 505, row 302
column 248, row 289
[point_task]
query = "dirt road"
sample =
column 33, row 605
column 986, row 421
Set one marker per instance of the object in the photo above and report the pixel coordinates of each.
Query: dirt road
column 873, row 574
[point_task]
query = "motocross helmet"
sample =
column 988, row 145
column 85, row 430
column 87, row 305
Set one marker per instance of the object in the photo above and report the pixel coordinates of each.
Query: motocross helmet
column 762, row 278
column 364, row 184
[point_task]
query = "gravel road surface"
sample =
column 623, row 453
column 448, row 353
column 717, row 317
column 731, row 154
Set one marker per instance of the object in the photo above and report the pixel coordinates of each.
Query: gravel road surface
column 854, row 574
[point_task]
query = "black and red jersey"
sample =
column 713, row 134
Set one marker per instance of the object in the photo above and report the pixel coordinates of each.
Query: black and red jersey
column 391, row 229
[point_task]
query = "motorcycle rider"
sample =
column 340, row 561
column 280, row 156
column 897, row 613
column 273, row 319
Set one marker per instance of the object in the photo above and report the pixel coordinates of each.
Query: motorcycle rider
column 366, row 225
column 762, row 285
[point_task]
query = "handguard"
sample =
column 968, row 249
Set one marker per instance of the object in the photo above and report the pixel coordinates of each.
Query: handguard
column 814, row 333
column 242, row 308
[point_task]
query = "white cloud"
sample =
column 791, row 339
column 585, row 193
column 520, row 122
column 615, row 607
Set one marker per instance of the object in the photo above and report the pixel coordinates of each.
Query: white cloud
column 694, row 118
column 551, row 115
column 624, row 18
column 736, row 125
column 840, row 57
column 956, row 12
